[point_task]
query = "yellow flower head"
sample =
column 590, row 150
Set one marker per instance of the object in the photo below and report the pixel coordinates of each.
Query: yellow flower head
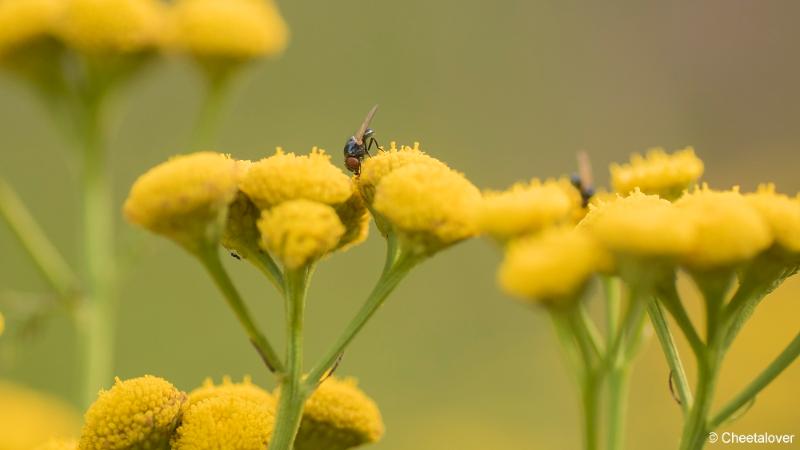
column 286, row 176
column 137, row 413
column 185, row 198
column 339, row 416
column 59, row 444
column 551, row 267
column 236, row 30
column 246, row 390
column 781, row 213
column 374, row 169
column 640, row 225
column 298, row 232
column 658, row 173
column 2, row 324
column 729, row 229
column 354, row 216
column 225, row 421
column 23, row 22
column 523, row 209
column 29, row 418
column 101, row 27
column 429, row 206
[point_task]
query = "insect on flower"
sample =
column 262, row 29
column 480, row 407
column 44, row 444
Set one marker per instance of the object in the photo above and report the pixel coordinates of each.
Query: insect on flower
column 359, row 144
column 582, row 180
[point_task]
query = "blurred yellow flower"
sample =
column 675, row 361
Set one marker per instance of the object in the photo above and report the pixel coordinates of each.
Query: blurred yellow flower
column 246, row 390
column 298, row 232
column 286, row 176
column 523, row 209
column 430, row 206
column 59, row 444
column 236, row 30
column 729, row 229
column 339, row 416
column 781, row 213
column 2, row 324
column 185, row 198
column 23, row 22
column 640, row 225
column 137, row 413
column 666, row 175
column 112, row 26
column 384, row 162
column 225, row 422
column 29, row 418
column 551, row 267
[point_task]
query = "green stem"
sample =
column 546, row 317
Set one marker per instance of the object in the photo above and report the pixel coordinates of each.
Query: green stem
column 590, row 375
column 48, row 260
column 611, row 288
column 267, row 266
column 589, row 403
column 292, row 391
column 98, row 313
column 669, row 298
column 696, row 427
column 618, row 387
column 591, row 331
column 787, row 356
column 209, row 257
column 208, row 121
column 385, row 285
column 671, row 353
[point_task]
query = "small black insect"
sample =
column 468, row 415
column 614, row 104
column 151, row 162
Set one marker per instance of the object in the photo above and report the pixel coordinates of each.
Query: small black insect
column 582, row 180
column 359, row 144
column 236, row 255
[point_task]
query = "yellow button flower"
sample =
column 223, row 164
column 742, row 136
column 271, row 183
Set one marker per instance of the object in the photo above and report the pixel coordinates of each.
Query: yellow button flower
column 729, row 230
column 523, row 209
column 781, row 213
column 24, row 22
column 246, row 390
column 225, row 422
column 299, row 232
column 29, row 418
column 59, row 444
column 384, row 162
column 640, row 225
column 286, row 176
column 339, row 416
column 429, row 206
column 112, row 26
column 185, row 198
column 658, row 173
column 552, row 267
column 228, row 29
column 137, row 413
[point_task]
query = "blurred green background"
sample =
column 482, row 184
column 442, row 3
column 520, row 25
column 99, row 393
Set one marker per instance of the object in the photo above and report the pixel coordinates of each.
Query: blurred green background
column 501, row 90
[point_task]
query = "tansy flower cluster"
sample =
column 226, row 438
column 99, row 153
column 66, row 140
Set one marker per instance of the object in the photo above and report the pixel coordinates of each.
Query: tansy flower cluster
column 659, row 224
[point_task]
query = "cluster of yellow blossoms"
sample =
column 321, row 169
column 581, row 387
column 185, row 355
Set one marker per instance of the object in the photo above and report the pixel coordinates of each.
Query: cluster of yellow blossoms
column 149, row 412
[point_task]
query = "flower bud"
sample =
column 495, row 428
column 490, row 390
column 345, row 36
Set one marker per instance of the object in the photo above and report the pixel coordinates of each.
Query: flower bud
column 658, row 173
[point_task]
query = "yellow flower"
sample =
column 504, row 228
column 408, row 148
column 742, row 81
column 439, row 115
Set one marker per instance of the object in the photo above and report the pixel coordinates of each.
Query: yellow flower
column 285, row 176
column 24, row 22
column 28, row 418
column 386, row 161
column 226, row 421
column 339, row 416
column 185, row 198
column 640, row 225
column 137, row 413
column 236, row 30
column 429, row 206
column 781, row 213
column 246, row 390
column 658, row 173
column 523, row 209
column 354, row 216
column 299, row 232
column 729, row 230
column 2, row 324
column 551, row 267
column 112, row 26
column 59, row 444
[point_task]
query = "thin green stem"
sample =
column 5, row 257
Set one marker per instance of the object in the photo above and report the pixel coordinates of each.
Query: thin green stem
column 385, row 285
column 566, row 341
column 670, row 350
column 590, row 376
column 696, row 428
column 206, row 128
column 590, row 396
column 48, row 260
column 618, row 387
column 266, row 265
column 611, row 289
column 292, row 393
column 209, row 257
column 672, row 302
column 592, row 333
column 787, row 356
